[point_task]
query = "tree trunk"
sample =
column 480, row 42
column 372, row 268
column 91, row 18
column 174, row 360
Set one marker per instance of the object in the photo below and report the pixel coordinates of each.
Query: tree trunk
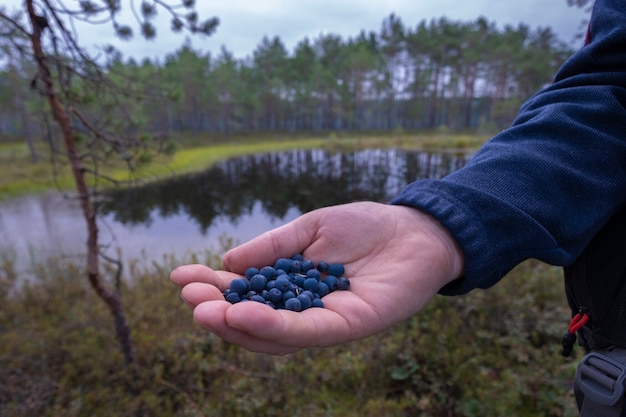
column 62, row 118
column 26, row 129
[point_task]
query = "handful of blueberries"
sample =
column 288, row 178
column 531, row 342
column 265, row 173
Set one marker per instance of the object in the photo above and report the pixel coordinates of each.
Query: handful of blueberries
column 292, row 283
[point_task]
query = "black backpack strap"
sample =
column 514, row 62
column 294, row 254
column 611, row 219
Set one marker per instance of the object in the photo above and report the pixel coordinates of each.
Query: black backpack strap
column 596, row 292
column 599, row 384
column 596, row 283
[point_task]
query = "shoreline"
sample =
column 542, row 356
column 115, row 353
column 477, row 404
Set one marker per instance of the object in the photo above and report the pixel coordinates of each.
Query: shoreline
column 28, row 178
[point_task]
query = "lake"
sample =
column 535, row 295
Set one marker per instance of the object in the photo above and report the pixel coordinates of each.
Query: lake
column 236, row 199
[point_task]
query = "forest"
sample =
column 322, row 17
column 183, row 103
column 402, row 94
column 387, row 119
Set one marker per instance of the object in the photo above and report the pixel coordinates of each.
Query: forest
column 432, row 74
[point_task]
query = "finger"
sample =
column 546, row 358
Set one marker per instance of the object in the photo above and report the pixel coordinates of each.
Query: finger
column 186, row 274
column 260, row 328
column 195, row 293
column 311, row 327
column 264, row 249
column 211, row 316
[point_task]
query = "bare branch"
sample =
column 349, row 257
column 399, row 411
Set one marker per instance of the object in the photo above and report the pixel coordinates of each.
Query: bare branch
column 68, row 37
column 206, row 28
column 134, row 10
column 13, row 23
column 80, row 15
column 99, row 175
column 96, row 132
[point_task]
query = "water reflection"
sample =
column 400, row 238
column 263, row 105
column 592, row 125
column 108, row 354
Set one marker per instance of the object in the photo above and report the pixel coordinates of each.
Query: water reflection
column 239, row 198
column 302, row 180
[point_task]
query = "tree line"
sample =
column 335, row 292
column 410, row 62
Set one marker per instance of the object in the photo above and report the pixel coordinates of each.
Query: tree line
column 459, row 75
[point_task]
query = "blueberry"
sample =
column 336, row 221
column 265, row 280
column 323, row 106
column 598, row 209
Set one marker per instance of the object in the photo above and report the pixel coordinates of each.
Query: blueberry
column 299, row 280
column 317, row 303
column 258, row 282
column 307, row 265
column 305, row 301
column 322, row 267
column 288, row 295
column 343, row 283
column 310, row 284
column 322, row 288
column 268, row 271
column 283, row 263
column 257, row 298
column 293, row 283
column 336, row 269
column 233, row 298
column 283, row 282
column 314, row 273
column 240, row 286
column 275, row 295
column 250, row 272
column 296, row 266
column 331, row 281
column 293, row 304
column 308, row 293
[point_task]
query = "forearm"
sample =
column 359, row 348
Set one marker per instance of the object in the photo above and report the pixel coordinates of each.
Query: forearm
column 544, row 187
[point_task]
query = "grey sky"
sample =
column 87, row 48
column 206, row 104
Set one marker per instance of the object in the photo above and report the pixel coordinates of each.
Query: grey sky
column 243, row 23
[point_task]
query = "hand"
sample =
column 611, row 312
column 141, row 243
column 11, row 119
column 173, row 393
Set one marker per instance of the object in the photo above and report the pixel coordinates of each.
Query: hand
column 397, row 258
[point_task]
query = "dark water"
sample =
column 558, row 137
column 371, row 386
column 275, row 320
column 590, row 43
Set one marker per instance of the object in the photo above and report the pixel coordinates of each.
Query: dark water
column 238, row 198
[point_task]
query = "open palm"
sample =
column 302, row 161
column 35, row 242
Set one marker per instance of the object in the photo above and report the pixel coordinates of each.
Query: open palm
column 397, row 258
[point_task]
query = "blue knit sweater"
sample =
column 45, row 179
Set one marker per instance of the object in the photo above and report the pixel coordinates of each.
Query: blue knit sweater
column 542, row 188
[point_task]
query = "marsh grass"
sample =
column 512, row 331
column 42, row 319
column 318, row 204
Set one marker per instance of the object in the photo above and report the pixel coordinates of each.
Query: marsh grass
column 490, row 353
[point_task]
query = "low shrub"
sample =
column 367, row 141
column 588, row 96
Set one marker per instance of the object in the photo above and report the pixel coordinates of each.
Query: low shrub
column 490, row 353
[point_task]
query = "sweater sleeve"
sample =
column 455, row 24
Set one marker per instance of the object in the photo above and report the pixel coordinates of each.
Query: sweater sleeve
column 542, row 188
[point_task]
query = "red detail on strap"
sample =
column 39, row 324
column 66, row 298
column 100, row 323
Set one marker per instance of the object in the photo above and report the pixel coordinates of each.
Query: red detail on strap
column 578, row 321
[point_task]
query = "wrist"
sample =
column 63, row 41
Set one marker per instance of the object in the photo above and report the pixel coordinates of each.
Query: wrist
column 450, row 255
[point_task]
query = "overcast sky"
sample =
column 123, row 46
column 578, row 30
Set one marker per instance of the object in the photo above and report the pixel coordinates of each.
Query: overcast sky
column 243, row 23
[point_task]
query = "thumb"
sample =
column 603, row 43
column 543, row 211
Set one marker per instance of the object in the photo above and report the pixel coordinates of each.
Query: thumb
column 284, row 241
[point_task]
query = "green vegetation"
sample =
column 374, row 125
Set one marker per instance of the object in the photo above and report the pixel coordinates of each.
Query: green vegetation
column 490, row 353
column 19, row 176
